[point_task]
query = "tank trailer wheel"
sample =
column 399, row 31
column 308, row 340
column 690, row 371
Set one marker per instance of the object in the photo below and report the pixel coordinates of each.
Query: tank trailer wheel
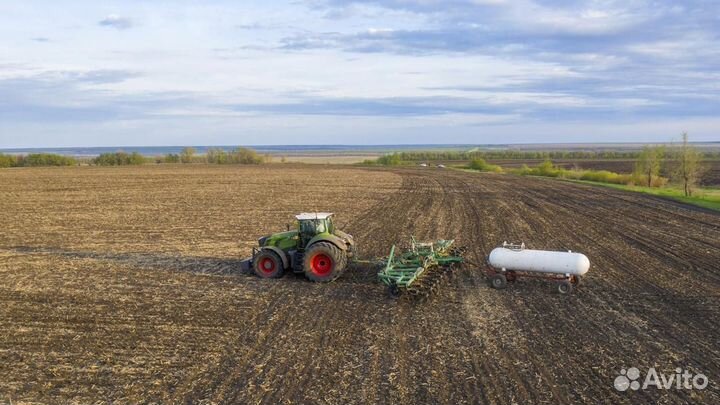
column 575, row 280
column 267, row 264
column 498, row 281
column 565, row 287
column 324, row 262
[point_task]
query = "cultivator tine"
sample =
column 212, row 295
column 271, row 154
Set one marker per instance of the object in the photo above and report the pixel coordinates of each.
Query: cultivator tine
column 458, row 251
column 429, row 284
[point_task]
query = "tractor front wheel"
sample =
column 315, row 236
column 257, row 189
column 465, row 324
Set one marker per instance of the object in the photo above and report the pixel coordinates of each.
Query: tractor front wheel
column 267, row 264
column 324, row 262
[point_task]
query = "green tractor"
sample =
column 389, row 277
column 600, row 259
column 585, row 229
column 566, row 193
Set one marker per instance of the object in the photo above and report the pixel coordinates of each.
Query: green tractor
column 315, row 247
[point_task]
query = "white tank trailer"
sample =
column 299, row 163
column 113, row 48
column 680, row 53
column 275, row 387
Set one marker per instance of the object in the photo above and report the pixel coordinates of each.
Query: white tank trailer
column 511, row 261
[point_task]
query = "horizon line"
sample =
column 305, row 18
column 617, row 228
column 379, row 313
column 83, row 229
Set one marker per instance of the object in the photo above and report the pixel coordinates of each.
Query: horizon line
column 352, row 145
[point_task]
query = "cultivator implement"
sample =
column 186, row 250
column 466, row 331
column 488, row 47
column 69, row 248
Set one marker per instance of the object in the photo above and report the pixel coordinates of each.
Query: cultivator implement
column 419, row 270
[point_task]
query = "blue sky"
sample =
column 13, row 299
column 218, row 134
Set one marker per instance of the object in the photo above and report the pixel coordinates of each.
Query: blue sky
column 109, row 73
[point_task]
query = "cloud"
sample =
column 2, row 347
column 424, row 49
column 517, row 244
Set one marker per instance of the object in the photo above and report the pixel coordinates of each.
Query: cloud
column 116, row 21
column 70, row 96
column 103, row 76
column 537, row 102
column 396, row 41
column 533, row 28
column 395, row 107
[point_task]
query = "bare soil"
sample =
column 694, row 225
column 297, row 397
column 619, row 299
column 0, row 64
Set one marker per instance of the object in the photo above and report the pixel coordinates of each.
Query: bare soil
column 121, row 285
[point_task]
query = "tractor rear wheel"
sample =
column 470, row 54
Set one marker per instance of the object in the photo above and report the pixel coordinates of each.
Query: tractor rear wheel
column 324, row 262
column 267, row 264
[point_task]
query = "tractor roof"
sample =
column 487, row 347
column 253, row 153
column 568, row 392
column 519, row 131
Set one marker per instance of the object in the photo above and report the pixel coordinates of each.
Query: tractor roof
column 313, row 215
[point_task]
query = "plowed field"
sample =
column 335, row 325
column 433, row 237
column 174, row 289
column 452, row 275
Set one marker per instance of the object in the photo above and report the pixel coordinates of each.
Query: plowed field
column 121, row 285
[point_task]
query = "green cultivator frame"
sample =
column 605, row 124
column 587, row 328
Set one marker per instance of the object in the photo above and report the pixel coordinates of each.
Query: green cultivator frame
column 418, row 269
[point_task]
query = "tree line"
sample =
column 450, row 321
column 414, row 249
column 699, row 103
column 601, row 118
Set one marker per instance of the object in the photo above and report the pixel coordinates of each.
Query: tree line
column 36, row 159
column 243, row 156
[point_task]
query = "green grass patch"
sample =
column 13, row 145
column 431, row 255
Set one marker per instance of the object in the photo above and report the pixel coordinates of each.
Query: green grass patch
column 481, row 165
column 547, row 169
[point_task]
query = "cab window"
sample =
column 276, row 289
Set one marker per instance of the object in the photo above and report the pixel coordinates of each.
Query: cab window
column 307, row 227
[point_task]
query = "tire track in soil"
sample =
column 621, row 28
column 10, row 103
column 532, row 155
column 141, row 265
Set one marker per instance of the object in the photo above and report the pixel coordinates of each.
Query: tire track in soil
column 209, row 379
column 415, row 211
column 516, row 387
column 520, row 392
column 442, row 323
column 414, row 331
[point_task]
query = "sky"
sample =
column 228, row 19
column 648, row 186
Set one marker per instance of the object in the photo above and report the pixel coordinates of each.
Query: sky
column 140, row 73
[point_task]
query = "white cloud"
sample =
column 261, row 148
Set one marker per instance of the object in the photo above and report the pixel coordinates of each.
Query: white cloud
column 116, row 21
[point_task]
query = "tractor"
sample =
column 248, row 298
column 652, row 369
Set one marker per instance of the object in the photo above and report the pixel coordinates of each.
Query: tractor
column 315, row 247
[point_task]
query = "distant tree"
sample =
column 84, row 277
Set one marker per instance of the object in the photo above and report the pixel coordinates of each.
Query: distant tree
column 687, row 170
column 481, row 165
column 172, row 158
column 136, row 159
column 392, row 159
column 187, row 154
column 7, row 160
column 546, row 168
column 245, row 156
column 649, row 163
column 216, row 155
column 119, row 159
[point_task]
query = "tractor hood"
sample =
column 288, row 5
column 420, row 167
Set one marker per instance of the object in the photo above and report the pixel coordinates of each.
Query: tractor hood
column 346, row 237
column 271, row 240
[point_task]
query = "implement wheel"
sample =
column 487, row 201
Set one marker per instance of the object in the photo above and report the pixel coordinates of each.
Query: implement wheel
column 324, row 262
column 565, row 287
column 498, row 281
column 393, row 290
column 267, row 264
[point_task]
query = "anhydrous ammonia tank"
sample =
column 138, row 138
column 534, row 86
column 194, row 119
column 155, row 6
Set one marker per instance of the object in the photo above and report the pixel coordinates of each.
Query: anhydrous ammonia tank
column 541, row 261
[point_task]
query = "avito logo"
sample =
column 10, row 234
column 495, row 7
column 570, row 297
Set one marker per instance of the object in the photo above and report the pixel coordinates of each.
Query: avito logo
column 681, row 379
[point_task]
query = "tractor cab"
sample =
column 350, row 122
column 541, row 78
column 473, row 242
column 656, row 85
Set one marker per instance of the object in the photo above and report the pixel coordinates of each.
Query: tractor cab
column 313, row 224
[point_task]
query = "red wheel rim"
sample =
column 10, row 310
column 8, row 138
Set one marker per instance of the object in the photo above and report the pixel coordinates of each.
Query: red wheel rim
column 321, row 264
column 267, row 265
